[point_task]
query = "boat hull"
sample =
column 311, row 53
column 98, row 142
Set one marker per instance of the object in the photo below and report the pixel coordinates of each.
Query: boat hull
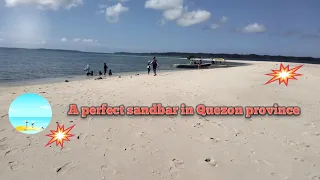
column 191, row 66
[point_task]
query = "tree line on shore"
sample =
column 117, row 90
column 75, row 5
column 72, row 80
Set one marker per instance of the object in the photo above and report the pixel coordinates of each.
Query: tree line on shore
column 254, row 57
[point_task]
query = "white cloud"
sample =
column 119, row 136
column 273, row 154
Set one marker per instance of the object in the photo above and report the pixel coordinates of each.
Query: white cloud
column 41, row 42
column 103, row 6
column 45, row 4
column 118, row 0
column 224, row 19
column 12, row 110
column 63, row 39
column 89, row 40
column 214, row 26
column 254, row 28
column 31, row 43
column 174, row 10
column 84, row 40
column 173, row 14
column 193, row 17
column 76, row 39
column 101, row 11
column 163, row 4
column 113, row 12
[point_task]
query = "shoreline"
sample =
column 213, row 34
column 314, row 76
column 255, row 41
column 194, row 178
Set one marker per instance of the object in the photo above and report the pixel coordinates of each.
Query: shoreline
column 41, row 81
column 84, row 77
column 71, row 78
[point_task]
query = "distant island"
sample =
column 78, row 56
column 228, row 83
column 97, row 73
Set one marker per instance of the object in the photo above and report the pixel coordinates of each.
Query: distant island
column 250, row 57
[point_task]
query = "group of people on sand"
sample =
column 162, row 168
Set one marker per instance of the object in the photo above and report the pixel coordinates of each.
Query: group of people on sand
column 105, row 68
column 154, row 64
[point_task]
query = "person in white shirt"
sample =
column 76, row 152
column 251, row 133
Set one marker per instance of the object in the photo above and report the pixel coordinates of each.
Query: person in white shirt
column 148, row 67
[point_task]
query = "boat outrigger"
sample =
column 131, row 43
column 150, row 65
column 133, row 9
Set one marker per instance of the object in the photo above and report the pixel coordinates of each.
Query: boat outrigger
column 192, row 66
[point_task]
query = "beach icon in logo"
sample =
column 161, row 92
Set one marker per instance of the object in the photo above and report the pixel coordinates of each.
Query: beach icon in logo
column 30, row 113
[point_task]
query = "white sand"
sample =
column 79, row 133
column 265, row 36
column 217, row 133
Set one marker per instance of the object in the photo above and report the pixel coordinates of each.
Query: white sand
column 151, row 148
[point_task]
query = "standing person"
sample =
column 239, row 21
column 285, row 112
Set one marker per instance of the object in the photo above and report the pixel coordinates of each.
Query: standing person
column 200, row 62
column 155, row 64
column 149, row 67
column 105, row 67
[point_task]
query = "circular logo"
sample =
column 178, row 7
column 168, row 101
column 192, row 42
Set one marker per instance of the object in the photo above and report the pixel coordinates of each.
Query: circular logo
column 30, row 113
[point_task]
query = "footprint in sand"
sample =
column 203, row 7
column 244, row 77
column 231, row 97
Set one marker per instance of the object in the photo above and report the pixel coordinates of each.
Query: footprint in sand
column 169, row 130
column 66, row 167
column 198, row 125
column 299, row 159
column 174, row 172
column 15, row 165
column 262, row 162
column 32, row 141
column 2, row 116
column 11, row 151
column 214, row 140
column 142, row 134
column 299, row 146
column 310, row 124
column 178, row 163
column 204, row 119
column 4, row 147
column 317, row 177
column 59, row 152
column 112, row 130
column 211, row 162
column 218, row 124
column 311, row 134
column 106, row 169
column 175, row 166
column 3, row 139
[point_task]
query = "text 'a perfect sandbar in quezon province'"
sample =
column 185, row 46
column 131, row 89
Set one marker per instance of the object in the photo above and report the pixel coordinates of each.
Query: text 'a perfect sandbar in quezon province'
column 157, row 109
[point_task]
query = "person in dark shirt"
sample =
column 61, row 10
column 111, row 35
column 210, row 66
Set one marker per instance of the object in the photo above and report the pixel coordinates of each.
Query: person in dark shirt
column 100, row 73
column 110, row 72
column 155, row 65
column 105, row 67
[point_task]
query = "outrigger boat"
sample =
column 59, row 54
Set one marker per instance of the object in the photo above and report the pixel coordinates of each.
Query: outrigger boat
column 193, row 64
column 199, row 63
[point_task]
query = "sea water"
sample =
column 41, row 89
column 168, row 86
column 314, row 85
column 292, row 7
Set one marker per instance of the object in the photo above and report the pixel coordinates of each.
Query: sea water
column 23, row 65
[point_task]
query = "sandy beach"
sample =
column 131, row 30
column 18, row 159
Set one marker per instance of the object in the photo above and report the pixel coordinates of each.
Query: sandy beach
column 172, row 147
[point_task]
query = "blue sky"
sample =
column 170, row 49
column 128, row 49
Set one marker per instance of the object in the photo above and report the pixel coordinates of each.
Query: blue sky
column 270, row 27
column 30, row 105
